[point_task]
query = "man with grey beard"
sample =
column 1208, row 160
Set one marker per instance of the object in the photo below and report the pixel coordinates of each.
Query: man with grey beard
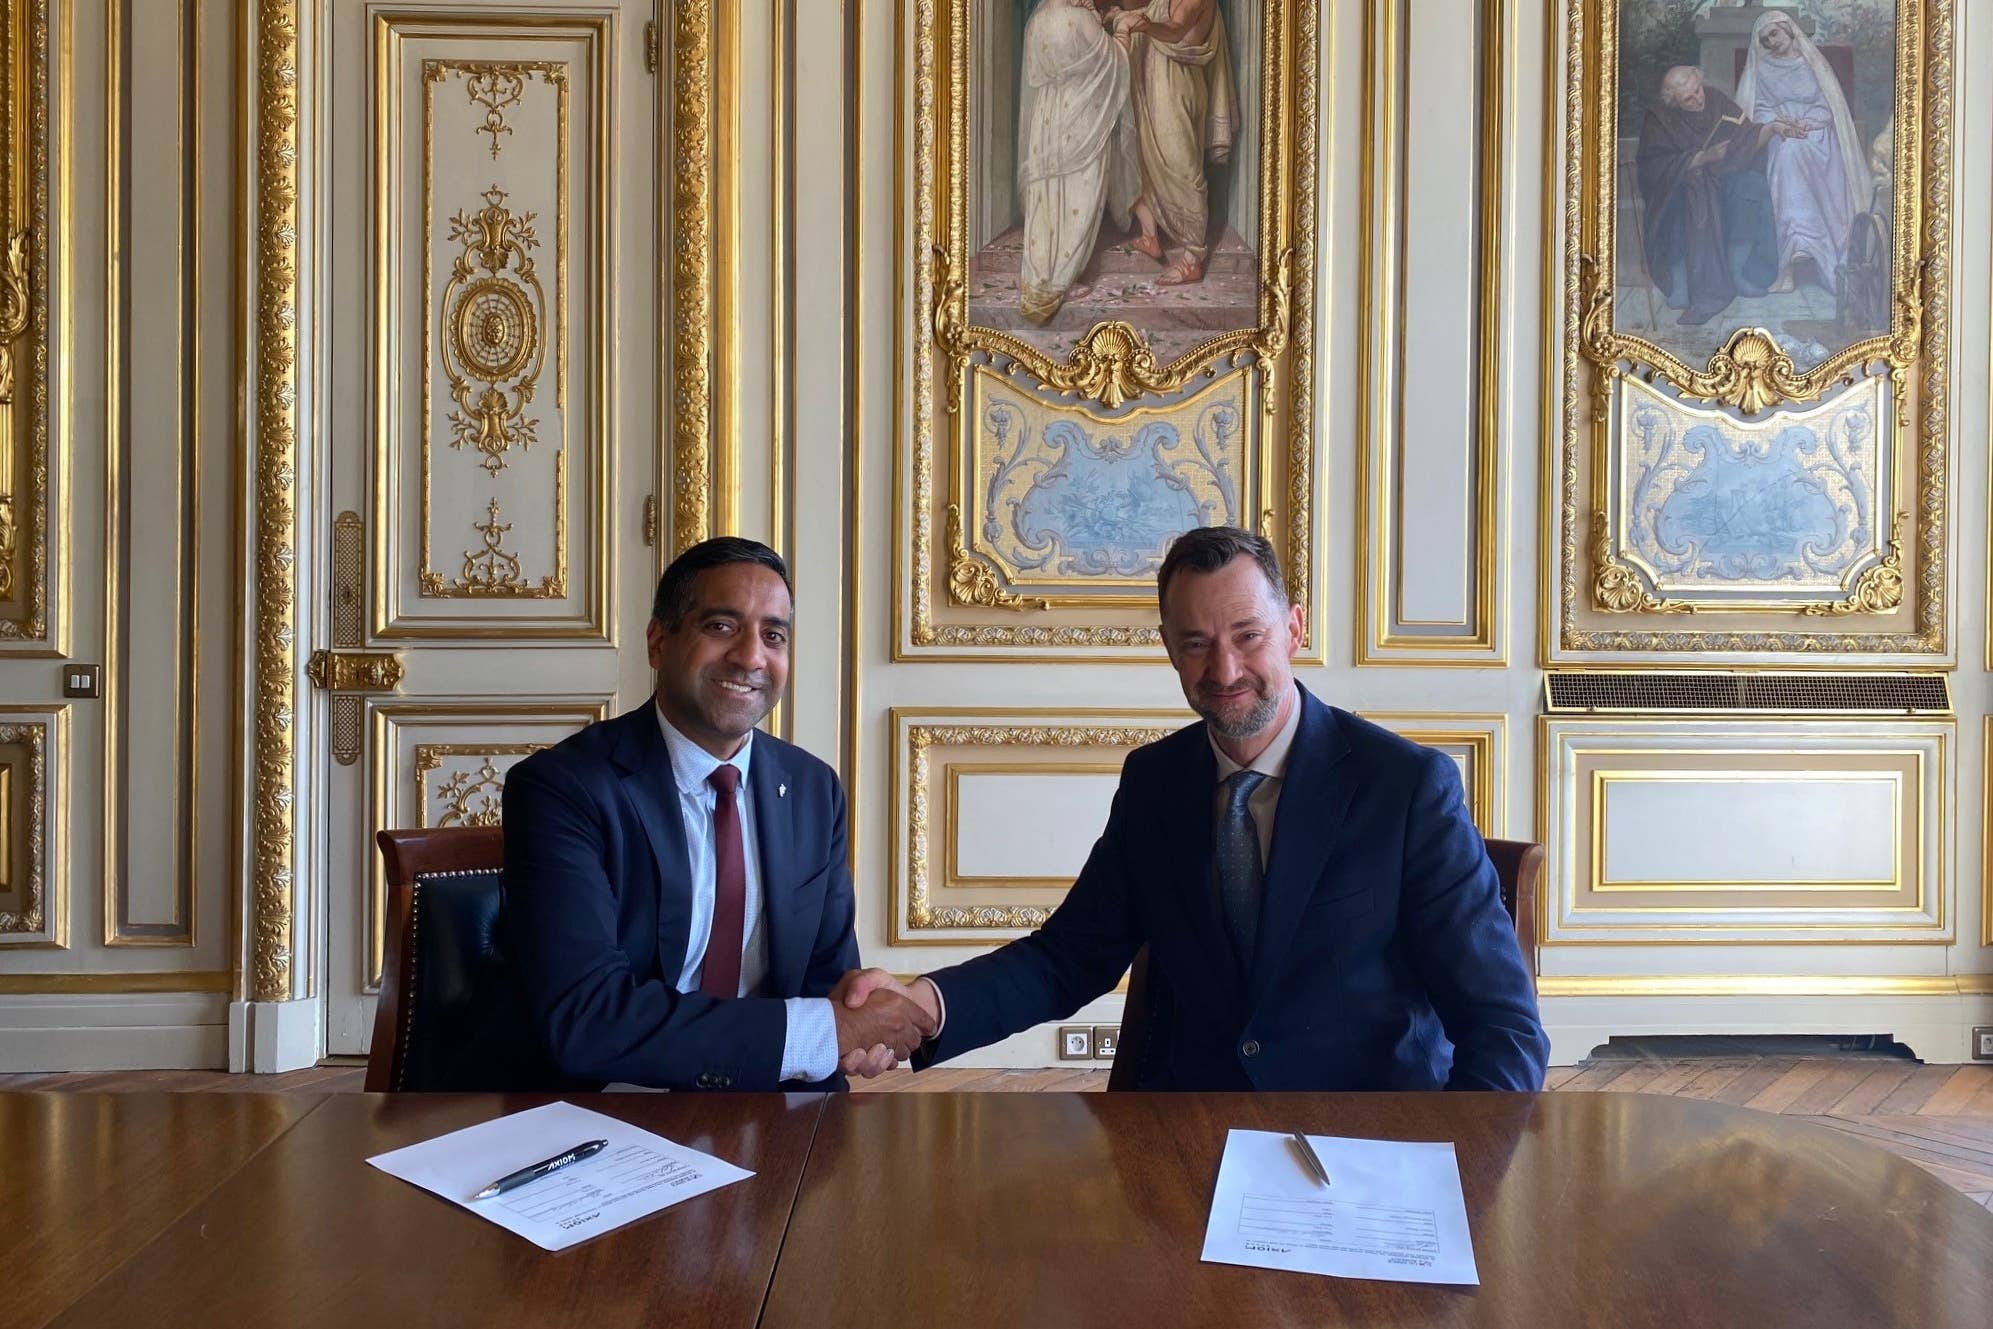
column 1319, row 911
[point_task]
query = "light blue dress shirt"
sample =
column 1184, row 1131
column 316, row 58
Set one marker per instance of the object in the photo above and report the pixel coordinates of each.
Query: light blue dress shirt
column 809, row 1040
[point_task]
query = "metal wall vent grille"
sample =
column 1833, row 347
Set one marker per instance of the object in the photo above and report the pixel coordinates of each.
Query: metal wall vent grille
column 1814, row 694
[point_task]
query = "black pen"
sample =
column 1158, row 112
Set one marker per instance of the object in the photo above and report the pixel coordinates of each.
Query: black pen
column 512, row 1180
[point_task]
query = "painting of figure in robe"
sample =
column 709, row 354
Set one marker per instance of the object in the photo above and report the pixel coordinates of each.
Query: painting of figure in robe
column 1752, row 188
column 1113, row 168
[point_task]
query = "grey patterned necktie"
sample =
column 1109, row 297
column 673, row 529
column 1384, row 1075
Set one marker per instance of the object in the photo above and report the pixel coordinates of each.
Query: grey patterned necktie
column 1239, row 869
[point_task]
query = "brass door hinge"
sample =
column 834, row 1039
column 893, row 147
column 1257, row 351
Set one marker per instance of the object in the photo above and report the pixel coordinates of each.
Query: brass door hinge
column 650, row 46
column 354, row 671
column 650, row 521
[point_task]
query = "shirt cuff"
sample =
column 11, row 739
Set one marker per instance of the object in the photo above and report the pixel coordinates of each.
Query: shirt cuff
column 940, row 1004
column 809, row 1042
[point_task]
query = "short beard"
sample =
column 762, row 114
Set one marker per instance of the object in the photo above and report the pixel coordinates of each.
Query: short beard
column 1250, row 725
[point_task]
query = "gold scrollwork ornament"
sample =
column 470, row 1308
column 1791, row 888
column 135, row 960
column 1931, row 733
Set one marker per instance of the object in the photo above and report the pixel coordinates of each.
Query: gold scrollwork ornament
column 972, row 581
column 1617, row 588
column 495, row 344
column 1112, row 362
column 14, row 306
column 1879, row 590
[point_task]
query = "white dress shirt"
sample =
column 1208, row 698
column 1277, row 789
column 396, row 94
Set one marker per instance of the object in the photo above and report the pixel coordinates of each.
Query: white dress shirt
column 1272, row 763
column 809, row 1039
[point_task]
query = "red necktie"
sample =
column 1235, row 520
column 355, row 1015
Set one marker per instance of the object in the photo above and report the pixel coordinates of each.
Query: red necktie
column 720, row 975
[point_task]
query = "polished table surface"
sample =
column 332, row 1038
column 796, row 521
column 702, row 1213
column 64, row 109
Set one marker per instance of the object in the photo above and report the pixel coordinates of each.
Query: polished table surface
column 967, row 1209
column 1586, row 1209
column 307, row 1234
column 86, row 1180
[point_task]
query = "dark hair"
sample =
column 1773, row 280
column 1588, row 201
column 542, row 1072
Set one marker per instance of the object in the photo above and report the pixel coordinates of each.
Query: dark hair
column 1209, row 548
column 674, row 588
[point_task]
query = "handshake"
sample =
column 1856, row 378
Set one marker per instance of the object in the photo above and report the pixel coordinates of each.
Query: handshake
column 880, row 1020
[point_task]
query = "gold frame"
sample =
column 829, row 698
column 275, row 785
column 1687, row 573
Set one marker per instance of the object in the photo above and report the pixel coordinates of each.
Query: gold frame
column 1710, row 739
column 914, row 919
column 689, row 296
column 47, row 795
column 1749, row 374
column 1111, row 363
column 1382, row 372
column 24, row 325
column 271, row 199
column 951, row 804
column 391, row 620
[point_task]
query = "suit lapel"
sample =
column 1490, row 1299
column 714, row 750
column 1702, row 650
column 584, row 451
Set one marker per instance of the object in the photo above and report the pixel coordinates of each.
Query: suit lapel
column 1186, row 815
column 646, row 767
column 769, row 784
column 1307, row 824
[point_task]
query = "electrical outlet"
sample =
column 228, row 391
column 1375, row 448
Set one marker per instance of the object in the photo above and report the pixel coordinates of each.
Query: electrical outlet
column 1075, row 1042
column 1106, row 1037
column 1982, row 1042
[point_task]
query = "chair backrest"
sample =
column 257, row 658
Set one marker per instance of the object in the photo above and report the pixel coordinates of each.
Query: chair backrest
column 1518, row 866
column 447, row 1015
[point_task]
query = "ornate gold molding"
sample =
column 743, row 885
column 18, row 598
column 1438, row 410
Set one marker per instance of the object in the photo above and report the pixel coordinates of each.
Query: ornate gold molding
column 921, row 911
column 24, row 323
column 1112, row 362
column 26, row 862
column 1749, row 373
column 274, row 646
column 1879, row 590
column 692, row 275
column 972, row 581
column 354, row 671
column 1617, row 588
column 469, row 797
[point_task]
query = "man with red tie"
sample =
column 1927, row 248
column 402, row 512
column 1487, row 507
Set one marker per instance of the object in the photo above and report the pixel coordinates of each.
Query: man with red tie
column 678, row 899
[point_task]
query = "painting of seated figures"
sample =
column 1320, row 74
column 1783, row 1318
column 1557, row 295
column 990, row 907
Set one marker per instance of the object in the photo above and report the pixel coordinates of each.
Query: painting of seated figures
column 1115, row 175
column 1754, row 181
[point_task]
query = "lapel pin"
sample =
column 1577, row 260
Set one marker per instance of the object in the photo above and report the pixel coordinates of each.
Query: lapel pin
column 781, row 791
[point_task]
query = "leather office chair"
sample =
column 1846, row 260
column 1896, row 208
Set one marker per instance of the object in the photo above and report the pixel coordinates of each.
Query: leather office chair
column 448, row 1017
column 1518, row 865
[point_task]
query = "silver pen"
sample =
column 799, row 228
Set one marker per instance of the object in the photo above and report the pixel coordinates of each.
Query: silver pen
column 1307, row 1152
column 545, row 1167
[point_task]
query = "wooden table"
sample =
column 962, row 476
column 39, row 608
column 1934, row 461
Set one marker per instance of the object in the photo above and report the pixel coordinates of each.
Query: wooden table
column 1586, row 1209
column 88, row 1179
column 307, row 1234
column 967, row 1209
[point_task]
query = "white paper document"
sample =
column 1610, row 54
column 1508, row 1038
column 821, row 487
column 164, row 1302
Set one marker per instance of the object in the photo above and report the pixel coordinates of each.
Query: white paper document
column 637, row 1175
column 1392, row 1210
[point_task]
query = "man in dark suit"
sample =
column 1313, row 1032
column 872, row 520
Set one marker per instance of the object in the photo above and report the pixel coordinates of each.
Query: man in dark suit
column 1320, row 912
column 677, row 895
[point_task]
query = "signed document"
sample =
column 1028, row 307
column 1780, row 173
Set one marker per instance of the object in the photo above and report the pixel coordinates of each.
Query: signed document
column 637, row 1175
column 1392, row 1210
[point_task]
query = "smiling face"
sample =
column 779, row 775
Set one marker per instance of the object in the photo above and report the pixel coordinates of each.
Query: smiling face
column 1232, row 638
column 723, row 665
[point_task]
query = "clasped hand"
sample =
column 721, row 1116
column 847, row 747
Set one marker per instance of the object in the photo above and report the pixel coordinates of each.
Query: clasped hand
column 880, row 1021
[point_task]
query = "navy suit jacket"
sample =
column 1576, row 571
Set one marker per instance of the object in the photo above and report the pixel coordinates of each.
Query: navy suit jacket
column 1385, row 959
column 598, row 909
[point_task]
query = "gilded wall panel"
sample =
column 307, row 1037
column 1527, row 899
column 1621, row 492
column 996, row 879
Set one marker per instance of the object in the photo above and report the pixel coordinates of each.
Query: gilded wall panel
column 34, row 899
column 996, row 810
column 1112, row 314
column 1753, row 831
column 1755, row 305
column 493, row 196
column 443, row 763
column 25, row 566
column 1429, row 482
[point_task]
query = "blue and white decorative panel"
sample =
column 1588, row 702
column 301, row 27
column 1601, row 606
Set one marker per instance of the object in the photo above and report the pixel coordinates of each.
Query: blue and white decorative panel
column 1088, row 504
column 1717, row 510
